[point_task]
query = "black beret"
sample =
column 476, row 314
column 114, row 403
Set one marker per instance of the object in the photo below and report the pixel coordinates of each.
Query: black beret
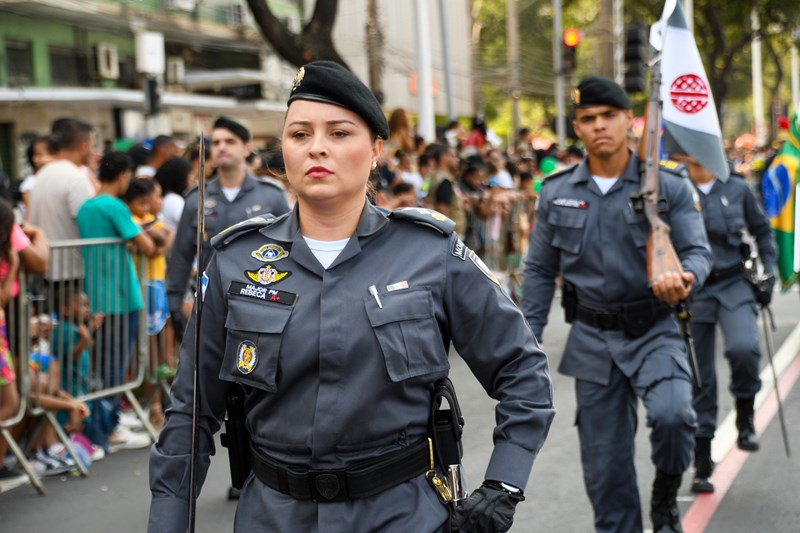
column 331, row 83
column 595, row 90
column 234, row 127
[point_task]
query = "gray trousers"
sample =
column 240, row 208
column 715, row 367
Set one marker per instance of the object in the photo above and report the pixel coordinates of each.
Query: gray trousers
column 607, row 425
column 740, row 331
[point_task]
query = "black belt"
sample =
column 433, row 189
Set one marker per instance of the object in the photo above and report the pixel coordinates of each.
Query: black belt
column 723, row 274
column 614, row 321
column 362, row 480
column 599, row 319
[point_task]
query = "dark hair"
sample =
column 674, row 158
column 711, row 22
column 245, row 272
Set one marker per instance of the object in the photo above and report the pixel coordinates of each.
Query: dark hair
column 43, row 139
column 525, row 175
column 575, row 151
column 173, row 175
column 6, row 225
column 402, row 188
column 112, row 165
column 160, row 142
column 138, row 188
column 436, row 151
column 140, row 155
column 68, row 133
column 192, row 152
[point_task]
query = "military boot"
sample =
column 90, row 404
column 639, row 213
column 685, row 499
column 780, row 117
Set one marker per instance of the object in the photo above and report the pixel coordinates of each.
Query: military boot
column 664, row 504
column 744, row 423
column 703, row 466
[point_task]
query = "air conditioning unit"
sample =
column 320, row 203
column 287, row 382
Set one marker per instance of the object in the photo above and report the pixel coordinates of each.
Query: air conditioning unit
column 175, row 71
column 106, row 61
column 180, row 5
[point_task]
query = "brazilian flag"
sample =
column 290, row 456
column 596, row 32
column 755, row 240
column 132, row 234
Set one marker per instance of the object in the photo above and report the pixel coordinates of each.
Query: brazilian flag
column 780, row 190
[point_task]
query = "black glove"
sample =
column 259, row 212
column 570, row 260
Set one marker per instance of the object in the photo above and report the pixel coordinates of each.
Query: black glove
column 178, row 324
column 487, row 510
column 763, row 290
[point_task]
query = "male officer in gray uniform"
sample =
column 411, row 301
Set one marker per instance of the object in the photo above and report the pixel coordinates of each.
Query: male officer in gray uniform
column 624, row 342
column 232, row 196
column 727, row 299
column 339, row 366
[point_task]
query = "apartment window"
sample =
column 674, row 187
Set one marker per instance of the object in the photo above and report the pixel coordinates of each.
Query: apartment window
column 19, row 62
column 68, row 66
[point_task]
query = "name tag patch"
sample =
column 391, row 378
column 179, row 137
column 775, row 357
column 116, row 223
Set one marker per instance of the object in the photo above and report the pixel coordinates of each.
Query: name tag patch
column 257, row 292
column 575, row 203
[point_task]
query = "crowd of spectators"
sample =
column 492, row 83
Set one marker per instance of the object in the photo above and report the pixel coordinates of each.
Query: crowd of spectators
column 75, row 192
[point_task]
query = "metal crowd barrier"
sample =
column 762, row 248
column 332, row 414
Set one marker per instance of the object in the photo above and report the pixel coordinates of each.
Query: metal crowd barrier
column 88, row 307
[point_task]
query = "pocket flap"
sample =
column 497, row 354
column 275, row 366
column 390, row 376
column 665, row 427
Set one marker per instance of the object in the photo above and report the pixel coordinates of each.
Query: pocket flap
column 258, row 316
column 399, row 306
column 567, row 217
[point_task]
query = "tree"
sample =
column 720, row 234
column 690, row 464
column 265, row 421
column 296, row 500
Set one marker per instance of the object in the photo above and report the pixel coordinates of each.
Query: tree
column 315, row 40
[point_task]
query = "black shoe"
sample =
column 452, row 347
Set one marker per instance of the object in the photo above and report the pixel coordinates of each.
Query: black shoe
column 233, row 494
column 747, row 439
column 664, row 512
column 703, row 467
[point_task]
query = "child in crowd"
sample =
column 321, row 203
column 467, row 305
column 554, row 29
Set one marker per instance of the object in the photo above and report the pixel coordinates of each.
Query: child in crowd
column 144, row 199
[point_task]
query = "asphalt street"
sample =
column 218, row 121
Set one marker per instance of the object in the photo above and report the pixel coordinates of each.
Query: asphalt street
column 762, row 497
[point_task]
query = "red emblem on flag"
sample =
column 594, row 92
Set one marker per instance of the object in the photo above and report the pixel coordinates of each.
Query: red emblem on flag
column 689, row 93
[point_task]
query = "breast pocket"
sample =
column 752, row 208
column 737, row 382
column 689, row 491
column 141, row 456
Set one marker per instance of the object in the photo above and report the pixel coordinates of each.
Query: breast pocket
column 638, row 227
column 408, row 333
column 253, row 341
column 734, row 218
column 568, row 227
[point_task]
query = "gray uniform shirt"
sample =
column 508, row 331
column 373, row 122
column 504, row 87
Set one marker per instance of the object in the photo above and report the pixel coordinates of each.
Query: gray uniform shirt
column 597, row 243
column 255, row 197
column 336, row 378
column 729, row 209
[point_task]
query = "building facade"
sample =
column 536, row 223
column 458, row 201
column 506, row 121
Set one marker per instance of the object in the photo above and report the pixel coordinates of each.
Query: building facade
column 79, row 58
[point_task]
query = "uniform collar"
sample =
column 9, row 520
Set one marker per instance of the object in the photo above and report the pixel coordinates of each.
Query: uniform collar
column 249, row 183
column 631, row 172
column 287, row 228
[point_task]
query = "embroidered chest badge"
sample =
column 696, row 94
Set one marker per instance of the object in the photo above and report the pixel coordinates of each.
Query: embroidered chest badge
column 266, row 275
column 270, row 252
column 246, row 357
column 575, row 203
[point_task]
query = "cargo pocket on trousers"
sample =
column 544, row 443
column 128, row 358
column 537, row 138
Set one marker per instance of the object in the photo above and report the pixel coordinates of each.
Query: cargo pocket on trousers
column 253, row 341
column 408, row 333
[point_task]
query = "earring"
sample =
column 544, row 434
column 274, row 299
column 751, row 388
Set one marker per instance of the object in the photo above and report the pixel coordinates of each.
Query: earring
column 374, row 164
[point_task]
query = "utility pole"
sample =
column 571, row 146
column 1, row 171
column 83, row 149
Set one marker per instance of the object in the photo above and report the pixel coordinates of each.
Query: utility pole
column 449, row 86
column 558, row 67
column 426, row 125
column 605, row 31
column 619, row 43
column 375, row 50
column 758, row 89
column 512, row 28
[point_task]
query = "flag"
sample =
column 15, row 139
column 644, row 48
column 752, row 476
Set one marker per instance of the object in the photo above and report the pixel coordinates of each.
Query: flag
column 779, row 190
column 689, row 115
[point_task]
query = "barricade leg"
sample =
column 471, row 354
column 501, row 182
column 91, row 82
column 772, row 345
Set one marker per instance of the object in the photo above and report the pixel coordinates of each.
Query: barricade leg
column 66, row 441
column 137, row 408
column 23, row 461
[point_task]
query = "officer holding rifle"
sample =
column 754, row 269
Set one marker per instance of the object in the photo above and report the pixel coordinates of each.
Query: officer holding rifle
column 624, row 344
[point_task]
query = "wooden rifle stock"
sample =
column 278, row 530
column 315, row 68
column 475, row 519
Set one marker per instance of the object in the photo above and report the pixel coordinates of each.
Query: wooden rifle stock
column 661, row 256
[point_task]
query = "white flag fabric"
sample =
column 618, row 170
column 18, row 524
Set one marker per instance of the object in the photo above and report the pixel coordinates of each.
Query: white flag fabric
column 691, row 124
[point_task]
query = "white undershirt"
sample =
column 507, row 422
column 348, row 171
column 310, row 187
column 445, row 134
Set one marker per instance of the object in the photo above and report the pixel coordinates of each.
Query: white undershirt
column 706, row 187
column 326, row 252
column 231, row 192
column 604, row 183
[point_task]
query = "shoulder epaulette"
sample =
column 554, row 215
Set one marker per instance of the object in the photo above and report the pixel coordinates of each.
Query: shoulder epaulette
column 224, row 237
column 269, row 180
column 672, row 167
column 426, row 217
column 560, row 173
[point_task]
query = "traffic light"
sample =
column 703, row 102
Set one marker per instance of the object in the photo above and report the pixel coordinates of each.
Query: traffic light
column 636, row 44
column 152, row 96
column 570, row 40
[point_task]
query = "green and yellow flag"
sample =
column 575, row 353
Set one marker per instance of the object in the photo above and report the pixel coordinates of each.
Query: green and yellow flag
column 780, row 189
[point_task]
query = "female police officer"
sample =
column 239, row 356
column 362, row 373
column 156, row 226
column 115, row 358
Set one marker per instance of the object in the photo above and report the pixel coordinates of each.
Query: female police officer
column 337, row 319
